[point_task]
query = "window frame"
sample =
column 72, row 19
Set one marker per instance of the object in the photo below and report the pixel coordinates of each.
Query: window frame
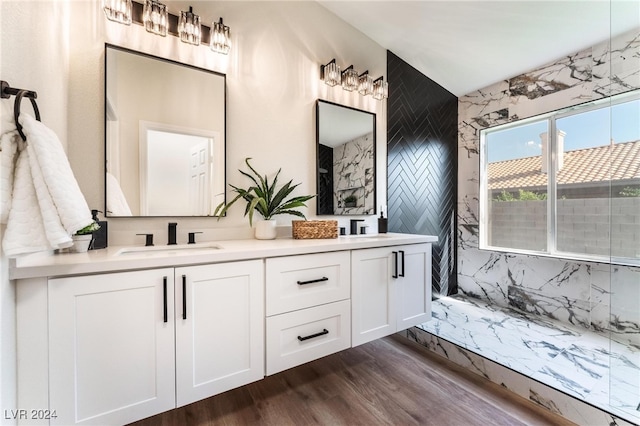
column 552, row 231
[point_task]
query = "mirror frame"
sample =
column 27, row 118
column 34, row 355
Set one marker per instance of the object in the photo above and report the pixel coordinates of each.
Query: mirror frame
column 373, row 211
column 107, row 109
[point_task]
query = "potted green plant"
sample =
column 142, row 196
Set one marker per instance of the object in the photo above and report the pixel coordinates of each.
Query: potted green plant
column 265, row 198
column 83, row 237
column 350, row 200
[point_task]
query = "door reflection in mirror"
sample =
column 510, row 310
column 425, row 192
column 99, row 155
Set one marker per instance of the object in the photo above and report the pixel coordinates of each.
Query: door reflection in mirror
column 180, row 163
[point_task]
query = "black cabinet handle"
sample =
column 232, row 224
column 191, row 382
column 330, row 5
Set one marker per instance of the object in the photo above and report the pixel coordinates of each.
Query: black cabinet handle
column 395, row 264
column 184, row 297
column 164, row 290
column 313, row 281
column 402, row 262
column 322, row 333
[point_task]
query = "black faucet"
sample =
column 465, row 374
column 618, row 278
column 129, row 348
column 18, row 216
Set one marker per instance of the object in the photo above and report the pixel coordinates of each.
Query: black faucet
column 354, row 225
column 172, row 233
column 148, row 240
column 192, row 237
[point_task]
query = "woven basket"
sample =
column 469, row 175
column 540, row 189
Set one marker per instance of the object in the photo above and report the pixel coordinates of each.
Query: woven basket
column 314, row 229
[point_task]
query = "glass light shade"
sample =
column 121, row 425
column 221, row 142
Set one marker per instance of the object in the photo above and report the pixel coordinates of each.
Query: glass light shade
column 365, row 84
column 380, row 89
column 350, row 79
column 220, row 40
column 189, row 27
column 155, row 17
column 332, row 75
column 118, row 10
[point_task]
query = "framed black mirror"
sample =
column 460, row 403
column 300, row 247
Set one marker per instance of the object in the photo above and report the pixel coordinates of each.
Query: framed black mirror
column 165, row 136
column 346, row 160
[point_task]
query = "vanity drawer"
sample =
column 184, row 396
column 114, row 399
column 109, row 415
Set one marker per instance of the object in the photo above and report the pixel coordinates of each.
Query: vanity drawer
column 298, row 282
column 298, row 337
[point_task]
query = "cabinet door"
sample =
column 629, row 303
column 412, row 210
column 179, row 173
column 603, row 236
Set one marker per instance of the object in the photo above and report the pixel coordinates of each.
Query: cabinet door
column 111, row 340
column 219, row 328
column 373, row 305
column 413, row 286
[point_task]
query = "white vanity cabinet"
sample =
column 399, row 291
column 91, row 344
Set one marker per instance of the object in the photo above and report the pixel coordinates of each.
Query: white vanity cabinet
column 391, row 290
column 117, row 335
column 125, row 346
column 308, row 308
column 111, row 347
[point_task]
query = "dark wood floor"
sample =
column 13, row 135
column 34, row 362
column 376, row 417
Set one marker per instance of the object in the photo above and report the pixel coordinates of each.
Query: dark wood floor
column 391, row 381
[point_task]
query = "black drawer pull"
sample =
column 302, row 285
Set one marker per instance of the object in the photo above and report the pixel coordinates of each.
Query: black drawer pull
column 313, row 281
column 322, row 333
column 164, row 291
column 402, row 262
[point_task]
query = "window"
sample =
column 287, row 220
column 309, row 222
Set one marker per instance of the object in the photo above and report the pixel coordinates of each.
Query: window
column 565, row 184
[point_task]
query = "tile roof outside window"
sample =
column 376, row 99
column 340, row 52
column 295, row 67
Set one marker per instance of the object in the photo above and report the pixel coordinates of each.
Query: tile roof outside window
column 616, row 162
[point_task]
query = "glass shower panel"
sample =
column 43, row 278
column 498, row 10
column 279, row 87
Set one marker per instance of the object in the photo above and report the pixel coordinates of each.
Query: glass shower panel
column 624, row 294
column 625, row 180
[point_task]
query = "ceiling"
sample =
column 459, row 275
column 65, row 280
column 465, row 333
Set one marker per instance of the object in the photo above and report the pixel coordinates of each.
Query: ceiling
column 467, row 45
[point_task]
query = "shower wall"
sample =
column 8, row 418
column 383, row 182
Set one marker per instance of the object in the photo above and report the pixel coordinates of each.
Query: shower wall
column 422, row 165
column 576, row 292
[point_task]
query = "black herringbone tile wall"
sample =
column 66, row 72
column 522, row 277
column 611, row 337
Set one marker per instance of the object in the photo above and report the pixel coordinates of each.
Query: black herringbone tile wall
column 422, row 134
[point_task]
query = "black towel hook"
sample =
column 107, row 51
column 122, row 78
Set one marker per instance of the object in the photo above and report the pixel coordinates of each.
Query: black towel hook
column 7, row 91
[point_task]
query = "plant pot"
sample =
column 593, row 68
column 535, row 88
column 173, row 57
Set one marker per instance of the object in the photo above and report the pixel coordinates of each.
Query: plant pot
column 350, row 204
column 81, row 243
column 265, row 230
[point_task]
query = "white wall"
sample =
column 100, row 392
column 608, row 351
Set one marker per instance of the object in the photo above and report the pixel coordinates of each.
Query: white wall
column 57, row 49
column 35, row 60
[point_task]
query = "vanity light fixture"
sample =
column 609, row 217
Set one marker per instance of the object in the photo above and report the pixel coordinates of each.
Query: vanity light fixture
column 365, row 84
column 330, row 73
column 380, row 89
column 220, row 41
column 155, row 17
column 189, row 27
column 118, row 10
column 350, row 79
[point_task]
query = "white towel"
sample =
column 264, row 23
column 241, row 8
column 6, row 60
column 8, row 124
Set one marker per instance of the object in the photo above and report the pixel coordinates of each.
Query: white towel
column 9, row 146
column 116, row 201
column 47, row 206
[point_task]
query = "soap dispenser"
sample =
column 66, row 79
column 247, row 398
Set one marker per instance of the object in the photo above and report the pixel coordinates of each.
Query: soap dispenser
column 99, row 236
column 382, row 223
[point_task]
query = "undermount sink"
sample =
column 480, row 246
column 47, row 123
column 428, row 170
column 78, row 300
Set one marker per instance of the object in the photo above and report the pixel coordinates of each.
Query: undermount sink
column 173, row 249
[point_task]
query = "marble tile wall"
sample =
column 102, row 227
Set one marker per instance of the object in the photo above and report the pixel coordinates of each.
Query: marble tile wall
column 592, row 295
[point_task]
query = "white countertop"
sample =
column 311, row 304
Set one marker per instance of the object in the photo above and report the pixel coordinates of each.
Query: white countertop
column 126, row 258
